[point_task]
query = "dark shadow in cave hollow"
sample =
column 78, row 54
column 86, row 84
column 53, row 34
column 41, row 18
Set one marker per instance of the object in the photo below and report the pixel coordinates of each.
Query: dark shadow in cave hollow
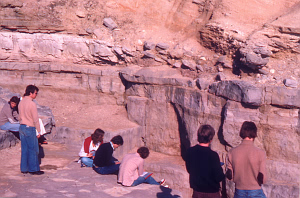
column 183, row 134
column 126, row 84
column 220, row 131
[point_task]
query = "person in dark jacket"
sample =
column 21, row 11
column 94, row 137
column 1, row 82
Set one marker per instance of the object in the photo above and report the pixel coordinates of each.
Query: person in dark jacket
column 203, row 166
column 104, row 162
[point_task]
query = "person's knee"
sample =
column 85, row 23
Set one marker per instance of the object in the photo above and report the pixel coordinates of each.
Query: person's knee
column 86, row 160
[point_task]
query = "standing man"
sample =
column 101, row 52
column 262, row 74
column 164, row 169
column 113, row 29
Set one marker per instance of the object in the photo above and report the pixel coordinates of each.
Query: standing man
column 246, row 164
column 29, row 125
column 104, row 162
column 204, row 166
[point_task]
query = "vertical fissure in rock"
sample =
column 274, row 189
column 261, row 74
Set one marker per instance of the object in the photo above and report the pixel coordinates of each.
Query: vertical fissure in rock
column 220, row 131
column 183, row 133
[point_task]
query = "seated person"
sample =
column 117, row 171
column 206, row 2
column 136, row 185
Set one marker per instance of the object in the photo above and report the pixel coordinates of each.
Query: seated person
column 132, row 169
column 8, row 118
column 104, row 162
column 90, row 146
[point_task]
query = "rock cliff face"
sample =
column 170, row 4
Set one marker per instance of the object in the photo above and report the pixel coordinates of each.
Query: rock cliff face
column 173, row 65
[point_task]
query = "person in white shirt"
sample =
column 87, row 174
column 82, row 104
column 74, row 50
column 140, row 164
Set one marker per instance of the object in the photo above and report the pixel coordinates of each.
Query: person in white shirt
column 90, row 146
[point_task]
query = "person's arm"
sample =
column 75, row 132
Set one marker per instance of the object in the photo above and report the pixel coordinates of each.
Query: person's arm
column 187, row 160
column 82, row 153
column 8, row 113
column 15, row 115
column 261, row 177
column 35, row 117
column 12, row 121
column 217, row 169
column 141, row 168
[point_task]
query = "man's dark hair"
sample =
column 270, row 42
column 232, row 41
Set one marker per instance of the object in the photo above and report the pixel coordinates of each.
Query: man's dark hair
column 143, row 152
column 15, row 99
column 30, row 89
column 205, row 133
column 117, row 140
column 249, row 130
column 97, row 136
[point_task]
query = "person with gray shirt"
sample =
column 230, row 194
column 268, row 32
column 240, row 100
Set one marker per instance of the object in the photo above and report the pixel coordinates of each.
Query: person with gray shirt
column 8, row 120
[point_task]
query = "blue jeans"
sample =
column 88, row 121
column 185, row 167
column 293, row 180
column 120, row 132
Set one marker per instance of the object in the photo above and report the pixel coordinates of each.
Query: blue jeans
column 10, row 127
column 249, row 193
column 87, row 161
column 29, row 149
column 141, row 179
column 105, row 170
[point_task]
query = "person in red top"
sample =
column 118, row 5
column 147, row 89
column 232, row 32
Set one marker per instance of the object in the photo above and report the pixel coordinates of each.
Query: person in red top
column 90, row 146
column 246, row 165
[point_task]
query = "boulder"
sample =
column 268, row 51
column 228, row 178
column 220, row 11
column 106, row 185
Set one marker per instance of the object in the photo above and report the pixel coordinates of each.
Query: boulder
column 290, row 83
column 148, row 45
column 283, row 96
column 7, row 139
column 240, row 91
column 253, row 57
column 190, row 64
column 109, row 23
column 202, row 84
column 162, row 46
column 148, row 54
column 156, row 75
column 199, row 68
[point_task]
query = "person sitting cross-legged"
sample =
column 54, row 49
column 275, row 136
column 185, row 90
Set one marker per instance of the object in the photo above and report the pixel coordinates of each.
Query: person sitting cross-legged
column 90, row 146
column 132, row 169
column 104, row 162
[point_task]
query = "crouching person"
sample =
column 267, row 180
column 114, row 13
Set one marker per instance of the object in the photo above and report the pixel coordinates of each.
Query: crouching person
column 132, row 169
column 204, row 166
column 90, row 146
column 104, row 162
column 7, row 120
column 246, row 165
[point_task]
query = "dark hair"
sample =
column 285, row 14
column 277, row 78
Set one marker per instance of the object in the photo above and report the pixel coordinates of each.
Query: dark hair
column 30, row 89
column 14, row 99
column 117, row 140
column 205, row 133
column 143, row 152
column 97, row 136
column 249, row 130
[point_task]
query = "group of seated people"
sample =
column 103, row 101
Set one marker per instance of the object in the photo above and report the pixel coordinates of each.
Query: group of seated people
column 94, row 153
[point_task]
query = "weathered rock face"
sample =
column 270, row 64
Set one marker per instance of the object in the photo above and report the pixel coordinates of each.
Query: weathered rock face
column 278, row 126
column 143, row 55
column 169, row 109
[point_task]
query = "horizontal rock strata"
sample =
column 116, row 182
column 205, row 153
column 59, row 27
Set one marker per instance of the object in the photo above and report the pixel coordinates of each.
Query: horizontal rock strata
column 169, row 109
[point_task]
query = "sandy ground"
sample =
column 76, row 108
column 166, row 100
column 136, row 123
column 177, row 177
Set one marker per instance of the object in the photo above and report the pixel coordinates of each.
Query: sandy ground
column 65, row 178
column 84, row 114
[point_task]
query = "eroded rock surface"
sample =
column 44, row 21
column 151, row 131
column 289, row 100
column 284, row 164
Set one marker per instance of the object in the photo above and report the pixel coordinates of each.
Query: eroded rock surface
column 166, row 67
